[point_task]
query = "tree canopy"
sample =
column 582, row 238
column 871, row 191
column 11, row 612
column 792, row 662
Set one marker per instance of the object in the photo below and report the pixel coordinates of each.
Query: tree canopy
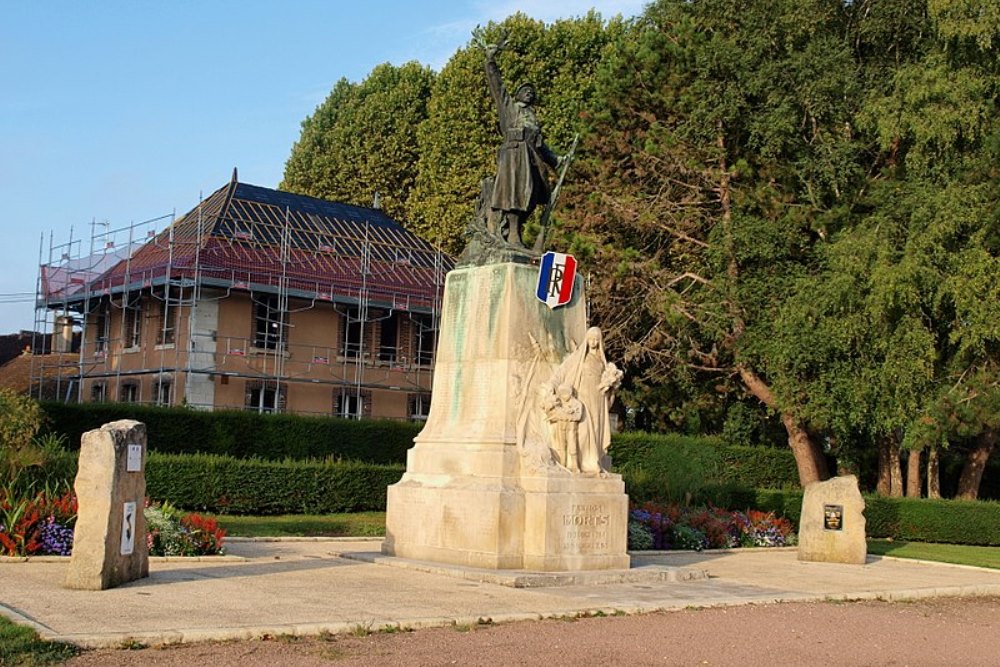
column 788, row 212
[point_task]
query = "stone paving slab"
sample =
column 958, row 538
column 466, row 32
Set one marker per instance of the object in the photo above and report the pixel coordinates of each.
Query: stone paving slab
column 647, row 573
column 303, row 587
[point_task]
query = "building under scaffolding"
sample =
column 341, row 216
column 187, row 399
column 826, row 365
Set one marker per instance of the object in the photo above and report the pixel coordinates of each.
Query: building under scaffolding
column 256, row 299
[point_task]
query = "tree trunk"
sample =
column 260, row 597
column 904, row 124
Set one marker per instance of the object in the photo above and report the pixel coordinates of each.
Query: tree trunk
column 913, row 481
column 890, row 471
column 809, row 457
column 975, row 465
column 896, row 469
column 884, row 484
column 933, row 474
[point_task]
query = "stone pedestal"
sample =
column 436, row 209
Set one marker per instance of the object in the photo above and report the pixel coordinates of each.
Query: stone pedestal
column 832, row 524
column 481, row 487
column 109, row 542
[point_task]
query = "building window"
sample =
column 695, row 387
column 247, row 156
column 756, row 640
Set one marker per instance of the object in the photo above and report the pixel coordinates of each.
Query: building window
column 163, row 392
column 133, row 325
column 270, row 324
column 129, row 393
column 388, row 338
column 265, row 397
column 425, row 334
column 102, row 330
column 98, row 392
column 352, row 333
column 351, row 404
column 419, row 407
column 166, row 324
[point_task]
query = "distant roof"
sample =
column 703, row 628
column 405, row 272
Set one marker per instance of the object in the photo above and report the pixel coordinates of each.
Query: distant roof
column 17, row 373
column 249, row 237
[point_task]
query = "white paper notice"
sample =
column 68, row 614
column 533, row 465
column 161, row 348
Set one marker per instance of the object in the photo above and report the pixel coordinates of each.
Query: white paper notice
column 133, row 463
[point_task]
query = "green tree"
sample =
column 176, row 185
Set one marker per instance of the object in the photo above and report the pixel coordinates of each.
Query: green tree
column 889, row 342
column 718, row 151
column 363, row 140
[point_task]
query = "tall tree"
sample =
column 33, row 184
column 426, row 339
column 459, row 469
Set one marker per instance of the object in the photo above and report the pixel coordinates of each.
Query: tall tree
column 715, row 153
column 363, row 140
column 888, row 341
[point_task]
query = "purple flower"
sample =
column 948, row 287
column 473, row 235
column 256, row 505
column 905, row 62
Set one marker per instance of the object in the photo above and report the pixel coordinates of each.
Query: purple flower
column 56, row 539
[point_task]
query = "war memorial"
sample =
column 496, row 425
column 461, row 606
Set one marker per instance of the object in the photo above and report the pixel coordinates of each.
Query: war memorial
column 511, row 470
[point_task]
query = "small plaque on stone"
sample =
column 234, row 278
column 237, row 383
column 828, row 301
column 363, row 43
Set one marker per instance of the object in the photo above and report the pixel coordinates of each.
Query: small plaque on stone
column 833, row 517
column 133, row 462
column 128, row 529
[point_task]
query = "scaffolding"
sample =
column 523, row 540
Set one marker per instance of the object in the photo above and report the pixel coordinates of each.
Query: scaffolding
column 293, row 264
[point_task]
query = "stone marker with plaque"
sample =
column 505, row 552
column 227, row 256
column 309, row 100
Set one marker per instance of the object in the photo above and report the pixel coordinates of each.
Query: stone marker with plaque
column 832, row 524
column 109, row 542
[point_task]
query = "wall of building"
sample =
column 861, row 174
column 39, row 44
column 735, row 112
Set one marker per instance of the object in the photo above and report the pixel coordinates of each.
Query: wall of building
column 230, row 361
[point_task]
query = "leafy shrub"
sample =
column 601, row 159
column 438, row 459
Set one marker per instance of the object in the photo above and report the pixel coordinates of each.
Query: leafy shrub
column 697, row 528
column 244, row 434
column 675, row 468
column 640, row 537
column 38, row 525
column 43, row 525
column 226, row 485
column 20, row 419
column 764, row 529
column 171, row 532
column 918, row 519
column 690, row 539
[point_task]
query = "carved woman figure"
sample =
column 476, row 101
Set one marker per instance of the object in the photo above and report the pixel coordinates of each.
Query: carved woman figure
column 588, row 371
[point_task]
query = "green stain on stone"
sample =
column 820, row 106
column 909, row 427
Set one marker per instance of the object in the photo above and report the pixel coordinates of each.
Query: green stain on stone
column 496, row 294
column 456, row 392
column 458, row 290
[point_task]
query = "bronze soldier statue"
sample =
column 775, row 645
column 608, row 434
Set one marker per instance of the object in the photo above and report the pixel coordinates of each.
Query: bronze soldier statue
column 522, row 159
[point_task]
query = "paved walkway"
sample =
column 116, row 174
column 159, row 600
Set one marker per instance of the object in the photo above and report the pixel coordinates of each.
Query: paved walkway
column 305, row 587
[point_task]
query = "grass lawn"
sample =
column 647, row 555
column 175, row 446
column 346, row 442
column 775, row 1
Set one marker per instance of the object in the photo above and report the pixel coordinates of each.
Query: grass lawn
column 358, row 524
column 21, row 647
column 945, row 553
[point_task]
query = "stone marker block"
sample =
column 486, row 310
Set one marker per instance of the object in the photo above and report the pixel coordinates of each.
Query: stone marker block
column 832, row 525
column 109, row 543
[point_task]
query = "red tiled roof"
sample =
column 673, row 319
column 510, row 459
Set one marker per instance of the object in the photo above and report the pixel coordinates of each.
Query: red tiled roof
column 247, row 236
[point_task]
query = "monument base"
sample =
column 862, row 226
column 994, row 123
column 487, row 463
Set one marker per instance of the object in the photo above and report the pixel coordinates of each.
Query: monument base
column 540, row 524
column 482, row 487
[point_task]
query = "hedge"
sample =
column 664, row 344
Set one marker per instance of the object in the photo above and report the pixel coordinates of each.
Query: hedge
column 254, row 486
column 685, row 468
column 243, row 434
column 224, row 484
column 916, row 519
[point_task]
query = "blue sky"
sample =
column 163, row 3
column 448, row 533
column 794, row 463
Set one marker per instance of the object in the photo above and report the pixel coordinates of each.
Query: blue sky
column 125, row 111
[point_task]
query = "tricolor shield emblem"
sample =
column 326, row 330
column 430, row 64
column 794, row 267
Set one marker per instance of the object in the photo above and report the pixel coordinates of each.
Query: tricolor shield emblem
column 556, row 276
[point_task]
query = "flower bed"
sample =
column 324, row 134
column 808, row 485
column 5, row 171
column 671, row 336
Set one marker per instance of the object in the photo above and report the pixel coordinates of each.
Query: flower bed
column 43, row 526
column 666, row 527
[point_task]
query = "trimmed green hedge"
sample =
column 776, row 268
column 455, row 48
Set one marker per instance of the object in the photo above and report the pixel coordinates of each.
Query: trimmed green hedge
column 919, row 520
column 682, row 468
column 243, row 434
column 224, row 484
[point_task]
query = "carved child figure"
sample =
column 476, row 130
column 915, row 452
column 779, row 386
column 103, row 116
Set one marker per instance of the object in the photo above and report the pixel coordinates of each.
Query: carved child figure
column 565, row 412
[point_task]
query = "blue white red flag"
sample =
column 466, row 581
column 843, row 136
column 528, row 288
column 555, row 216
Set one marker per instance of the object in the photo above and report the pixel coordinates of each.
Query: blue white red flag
column 556, row 276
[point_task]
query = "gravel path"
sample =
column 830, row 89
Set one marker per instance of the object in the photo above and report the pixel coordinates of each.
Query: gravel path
column 941, row 631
